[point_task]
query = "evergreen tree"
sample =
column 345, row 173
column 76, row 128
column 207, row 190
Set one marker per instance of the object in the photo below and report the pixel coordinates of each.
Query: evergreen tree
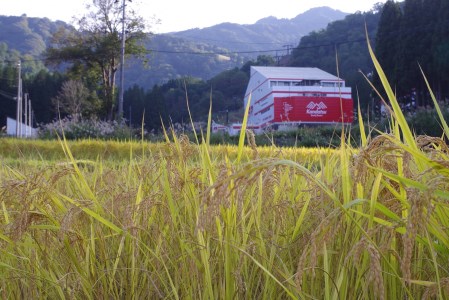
column 41, row 88
column 410, row 49
column 155, row 109
column 134, row 105
column 387, row 41
column 440, row 47
column 8, row 92
column 427, row 30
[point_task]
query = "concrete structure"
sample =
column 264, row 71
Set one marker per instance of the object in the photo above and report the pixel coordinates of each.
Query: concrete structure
column 25, row 131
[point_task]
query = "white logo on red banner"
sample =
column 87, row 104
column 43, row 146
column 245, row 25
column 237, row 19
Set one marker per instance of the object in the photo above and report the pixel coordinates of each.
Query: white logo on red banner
column 316, row 109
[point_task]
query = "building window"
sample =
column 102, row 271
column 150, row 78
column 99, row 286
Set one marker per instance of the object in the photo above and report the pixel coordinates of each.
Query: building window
column 265, row 110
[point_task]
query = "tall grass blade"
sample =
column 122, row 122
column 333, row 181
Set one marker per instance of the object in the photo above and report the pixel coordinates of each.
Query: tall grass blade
column 93, row 214
column 190, row 114
column 243, row 131
column 167, row 139
column 361, row 125
column 437, row 107
column 397, row 112
column 209, row 121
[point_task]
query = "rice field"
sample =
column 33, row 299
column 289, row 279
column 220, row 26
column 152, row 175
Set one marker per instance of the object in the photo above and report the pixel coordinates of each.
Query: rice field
column 187, row 220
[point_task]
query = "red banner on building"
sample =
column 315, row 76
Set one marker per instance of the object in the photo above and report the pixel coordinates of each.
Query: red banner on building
column 313, row 109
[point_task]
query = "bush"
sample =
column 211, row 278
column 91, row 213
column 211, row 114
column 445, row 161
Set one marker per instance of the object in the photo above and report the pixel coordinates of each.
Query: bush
column 74, row 129
column 426, row 121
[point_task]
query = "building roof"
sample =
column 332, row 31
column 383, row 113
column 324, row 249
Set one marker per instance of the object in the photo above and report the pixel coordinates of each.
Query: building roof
column 294, row 73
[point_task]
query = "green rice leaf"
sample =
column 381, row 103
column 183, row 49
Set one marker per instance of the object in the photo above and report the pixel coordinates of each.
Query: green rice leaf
column 93, row 214
column 243, row 131
column 437, row 107
column 397, row 112
column 361, row 125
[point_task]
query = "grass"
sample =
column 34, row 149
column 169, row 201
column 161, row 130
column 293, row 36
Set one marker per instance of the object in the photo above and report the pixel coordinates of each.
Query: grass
column 187, row 220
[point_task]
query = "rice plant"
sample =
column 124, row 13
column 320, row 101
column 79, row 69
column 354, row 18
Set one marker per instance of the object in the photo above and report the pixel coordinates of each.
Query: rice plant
column 187, row 220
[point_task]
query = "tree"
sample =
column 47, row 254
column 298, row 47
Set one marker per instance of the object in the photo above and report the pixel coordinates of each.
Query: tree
column 409, row 47
column 440, row 46
column 42, row 87
column 73, row 99
column 94, row 48
column 387, row 41
column 134, row 100
column 155, row 109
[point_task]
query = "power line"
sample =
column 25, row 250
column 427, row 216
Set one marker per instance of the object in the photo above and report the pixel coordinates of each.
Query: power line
column 191, row 37
column 8, row 95
column 212, row 53
column 149, row 51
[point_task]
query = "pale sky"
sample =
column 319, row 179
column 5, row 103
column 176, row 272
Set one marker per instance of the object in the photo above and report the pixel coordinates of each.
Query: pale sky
column 186, row 14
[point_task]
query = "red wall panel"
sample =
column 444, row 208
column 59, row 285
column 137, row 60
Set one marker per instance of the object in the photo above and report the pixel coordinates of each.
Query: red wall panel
column 313, row 109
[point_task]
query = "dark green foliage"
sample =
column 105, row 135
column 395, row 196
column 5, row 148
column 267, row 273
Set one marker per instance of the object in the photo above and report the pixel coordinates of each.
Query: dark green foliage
column 26, row 39
column 387, row 42
column 426, row 122
column 8, row 90
column 422, row 39
column 314, row 136
column 42, row 87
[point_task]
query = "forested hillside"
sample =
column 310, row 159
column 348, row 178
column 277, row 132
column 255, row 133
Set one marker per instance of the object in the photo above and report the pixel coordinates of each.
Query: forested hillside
column 26, row 39
column 266, row 34
column 411, row 36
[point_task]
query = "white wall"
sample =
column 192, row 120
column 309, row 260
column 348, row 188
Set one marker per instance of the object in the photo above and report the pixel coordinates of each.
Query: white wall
column 26, row 131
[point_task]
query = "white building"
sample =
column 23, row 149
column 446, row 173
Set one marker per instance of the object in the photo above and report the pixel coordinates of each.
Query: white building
column 286, row 96
column 24, row 130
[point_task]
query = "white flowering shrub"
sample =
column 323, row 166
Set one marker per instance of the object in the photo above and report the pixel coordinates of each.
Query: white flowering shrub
column 75, row 128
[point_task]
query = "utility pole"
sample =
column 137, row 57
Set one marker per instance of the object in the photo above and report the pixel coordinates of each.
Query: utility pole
column 122, row 63
column 19, row 101
column 26, row 114
column 30, row 124
column 278, row 59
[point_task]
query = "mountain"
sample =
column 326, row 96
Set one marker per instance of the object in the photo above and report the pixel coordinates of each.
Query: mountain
column 199, row 53
column 29, row 36
column 25, row 39
column 188, row 53
column 266, row 34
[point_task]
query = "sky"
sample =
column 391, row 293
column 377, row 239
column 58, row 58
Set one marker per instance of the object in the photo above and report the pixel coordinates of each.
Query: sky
column 181, row 15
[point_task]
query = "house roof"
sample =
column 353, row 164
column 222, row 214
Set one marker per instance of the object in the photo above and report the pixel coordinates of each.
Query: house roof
column 294, row 73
